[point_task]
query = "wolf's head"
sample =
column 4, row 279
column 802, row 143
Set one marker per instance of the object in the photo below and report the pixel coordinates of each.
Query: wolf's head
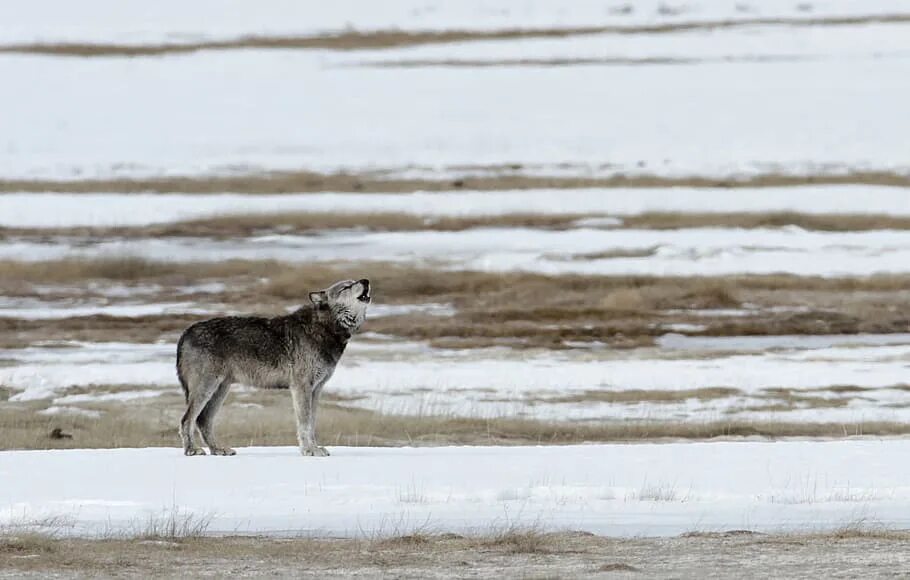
column 347, row 300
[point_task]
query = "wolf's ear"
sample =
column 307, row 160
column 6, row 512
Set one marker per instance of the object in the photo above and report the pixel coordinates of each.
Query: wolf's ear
column 318, row 298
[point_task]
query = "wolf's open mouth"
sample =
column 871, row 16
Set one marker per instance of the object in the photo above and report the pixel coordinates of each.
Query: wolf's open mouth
column 365, row 297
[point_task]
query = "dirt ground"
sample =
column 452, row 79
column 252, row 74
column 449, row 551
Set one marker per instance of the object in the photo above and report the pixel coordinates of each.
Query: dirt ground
column 524, row 555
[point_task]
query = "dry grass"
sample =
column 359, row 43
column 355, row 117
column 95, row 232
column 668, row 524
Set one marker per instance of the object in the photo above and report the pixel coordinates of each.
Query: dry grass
column 514, row 309
column 83, row 270
column 439, row 556
column 817, row 222
column 154, row 424
column 229, row 226
column 379, row 39
column 172, row 524
column 790, row 399
column 480, row 179
column 633, row 396
column 26, row 544
column 522, row 539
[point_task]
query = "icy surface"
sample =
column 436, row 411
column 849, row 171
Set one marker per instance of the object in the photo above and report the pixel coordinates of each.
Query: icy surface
column 626, row 490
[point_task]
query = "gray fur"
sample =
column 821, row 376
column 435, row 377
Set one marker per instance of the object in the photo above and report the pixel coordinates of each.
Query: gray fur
column 298, row 351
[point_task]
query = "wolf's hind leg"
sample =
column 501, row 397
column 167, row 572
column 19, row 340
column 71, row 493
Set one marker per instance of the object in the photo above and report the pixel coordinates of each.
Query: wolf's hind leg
column 206, row 420
column 198, row 398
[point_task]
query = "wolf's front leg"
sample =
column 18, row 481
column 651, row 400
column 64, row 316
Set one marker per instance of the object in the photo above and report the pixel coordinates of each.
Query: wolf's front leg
column 304, row 410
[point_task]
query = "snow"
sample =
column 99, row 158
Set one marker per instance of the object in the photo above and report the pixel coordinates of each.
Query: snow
column 29, row 210
column 430, row 309
column 683, row 252
column 178, row 22
column 41, row 372
column 622, row 489
column 31, row 309
column 73, row 411
column 415, row 379
column 107, row 397
column 131, row 117
column 765, row 343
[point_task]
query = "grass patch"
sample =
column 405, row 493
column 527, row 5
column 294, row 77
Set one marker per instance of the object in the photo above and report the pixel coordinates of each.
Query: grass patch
column 172, row 524
column 520, row 539
column 513, row 309
column 269, row 422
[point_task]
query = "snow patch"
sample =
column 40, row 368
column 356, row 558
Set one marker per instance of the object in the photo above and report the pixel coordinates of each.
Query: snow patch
column 649, row 489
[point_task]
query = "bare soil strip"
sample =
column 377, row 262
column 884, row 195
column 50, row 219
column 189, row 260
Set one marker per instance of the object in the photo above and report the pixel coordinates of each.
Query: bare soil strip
column 525, row 553
column 383, row 39
column 475, row 179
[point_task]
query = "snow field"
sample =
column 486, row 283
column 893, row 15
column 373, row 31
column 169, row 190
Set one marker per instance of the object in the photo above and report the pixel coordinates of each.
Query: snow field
column 626, row 490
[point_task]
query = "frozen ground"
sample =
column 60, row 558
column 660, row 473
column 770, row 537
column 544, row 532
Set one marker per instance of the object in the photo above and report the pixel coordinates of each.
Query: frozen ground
column 591, row 384
column 26, row 210
column 627, row 490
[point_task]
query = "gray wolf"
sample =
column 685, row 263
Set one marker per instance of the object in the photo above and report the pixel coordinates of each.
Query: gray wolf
column 298, row 351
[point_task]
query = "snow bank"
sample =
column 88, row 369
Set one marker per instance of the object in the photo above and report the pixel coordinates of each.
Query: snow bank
column 683, row 252
column 29, row 210
column 636, row 489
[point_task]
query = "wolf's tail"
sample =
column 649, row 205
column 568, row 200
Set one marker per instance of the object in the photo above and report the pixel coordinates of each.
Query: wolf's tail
column 186, row 391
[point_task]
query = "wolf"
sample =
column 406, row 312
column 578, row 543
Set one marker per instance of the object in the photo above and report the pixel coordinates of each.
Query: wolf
column 298, row 351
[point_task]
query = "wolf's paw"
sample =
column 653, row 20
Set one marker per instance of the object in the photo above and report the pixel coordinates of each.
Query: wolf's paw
column 194, row 451
column 223, row 451
column 315, row 452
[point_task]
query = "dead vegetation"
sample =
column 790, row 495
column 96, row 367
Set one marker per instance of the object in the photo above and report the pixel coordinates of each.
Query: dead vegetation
column 381, row 39
column 535, row 553
column 473, row 178
column 513, row 309
column 245, row 225
column 262, row 418
column 813, row 222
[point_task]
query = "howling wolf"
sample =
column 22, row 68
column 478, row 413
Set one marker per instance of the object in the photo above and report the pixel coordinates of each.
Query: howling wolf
column 298, row 351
